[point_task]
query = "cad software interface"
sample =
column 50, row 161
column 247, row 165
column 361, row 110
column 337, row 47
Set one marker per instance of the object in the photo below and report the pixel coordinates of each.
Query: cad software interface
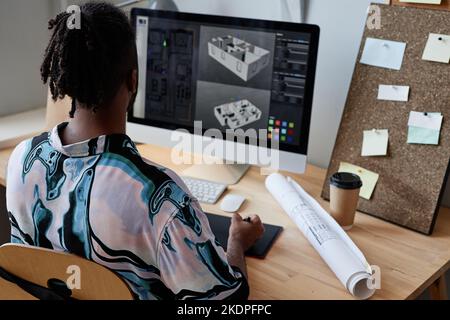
column 228, row 78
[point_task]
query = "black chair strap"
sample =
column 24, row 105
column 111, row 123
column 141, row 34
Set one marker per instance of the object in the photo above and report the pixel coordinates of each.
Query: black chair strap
column 37, row 291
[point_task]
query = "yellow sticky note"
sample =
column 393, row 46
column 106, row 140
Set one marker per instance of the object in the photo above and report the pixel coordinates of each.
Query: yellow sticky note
column 369, row 179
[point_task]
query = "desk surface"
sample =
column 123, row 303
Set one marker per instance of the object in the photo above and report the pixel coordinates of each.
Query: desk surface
column 409, row 261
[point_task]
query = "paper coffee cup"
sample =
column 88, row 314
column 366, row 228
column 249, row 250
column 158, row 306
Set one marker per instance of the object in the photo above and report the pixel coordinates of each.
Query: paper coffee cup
column 344, row 196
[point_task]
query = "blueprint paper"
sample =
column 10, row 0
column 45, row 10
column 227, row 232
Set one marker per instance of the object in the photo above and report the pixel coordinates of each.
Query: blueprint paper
column 331, row 242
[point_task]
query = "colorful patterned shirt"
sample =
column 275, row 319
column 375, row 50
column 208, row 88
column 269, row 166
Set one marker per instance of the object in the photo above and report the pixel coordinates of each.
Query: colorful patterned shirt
column 100, row 200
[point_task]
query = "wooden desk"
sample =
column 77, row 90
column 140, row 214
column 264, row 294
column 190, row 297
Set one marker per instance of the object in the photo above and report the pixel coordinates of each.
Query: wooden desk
column 410, row 262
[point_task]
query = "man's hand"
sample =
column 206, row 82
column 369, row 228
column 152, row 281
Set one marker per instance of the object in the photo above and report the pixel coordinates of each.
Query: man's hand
column 244, row 233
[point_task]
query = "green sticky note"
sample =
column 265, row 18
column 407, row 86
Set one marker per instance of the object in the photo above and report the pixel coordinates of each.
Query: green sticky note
column 418, row 135
column 424, row 127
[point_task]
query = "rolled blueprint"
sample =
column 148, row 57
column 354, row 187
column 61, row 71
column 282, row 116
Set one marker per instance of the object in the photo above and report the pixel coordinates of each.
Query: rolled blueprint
column 331, row 242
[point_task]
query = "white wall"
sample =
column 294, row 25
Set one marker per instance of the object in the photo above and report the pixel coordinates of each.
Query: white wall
column 342, row 25
column 23, row 36
column 256, row 9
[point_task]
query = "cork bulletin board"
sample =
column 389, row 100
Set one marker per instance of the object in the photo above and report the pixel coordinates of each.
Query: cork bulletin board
column 445, row 5
column 411, row 177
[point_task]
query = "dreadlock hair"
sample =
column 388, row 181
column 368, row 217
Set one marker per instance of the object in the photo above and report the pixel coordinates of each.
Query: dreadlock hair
column 91, row 63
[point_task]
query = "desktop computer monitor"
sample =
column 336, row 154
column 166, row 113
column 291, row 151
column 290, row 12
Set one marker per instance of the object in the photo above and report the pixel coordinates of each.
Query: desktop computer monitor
column 233, row 75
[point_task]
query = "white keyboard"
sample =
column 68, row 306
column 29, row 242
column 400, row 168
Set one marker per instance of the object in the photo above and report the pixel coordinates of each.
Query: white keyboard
column 205, row 191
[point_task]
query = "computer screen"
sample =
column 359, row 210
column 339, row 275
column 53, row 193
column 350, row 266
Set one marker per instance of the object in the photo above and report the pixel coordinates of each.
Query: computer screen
column 228, row 73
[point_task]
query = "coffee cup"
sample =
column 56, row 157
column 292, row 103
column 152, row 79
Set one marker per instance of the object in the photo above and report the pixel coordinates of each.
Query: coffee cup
column 344, row 196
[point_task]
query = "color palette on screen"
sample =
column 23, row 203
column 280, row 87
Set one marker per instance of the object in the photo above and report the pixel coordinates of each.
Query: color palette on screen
column 281, row 130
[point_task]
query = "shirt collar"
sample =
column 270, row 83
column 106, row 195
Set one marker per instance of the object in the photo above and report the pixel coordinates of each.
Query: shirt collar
column 89, row 147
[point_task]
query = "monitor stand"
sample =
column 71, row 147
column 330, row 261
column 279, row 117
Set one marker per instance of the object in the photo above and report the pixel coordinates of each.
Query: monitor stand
column 223, row 173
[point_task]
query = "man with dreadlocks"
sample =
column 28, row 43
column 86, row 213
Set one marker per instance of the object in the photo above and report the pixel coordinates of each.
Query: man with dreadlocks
column 83, row 188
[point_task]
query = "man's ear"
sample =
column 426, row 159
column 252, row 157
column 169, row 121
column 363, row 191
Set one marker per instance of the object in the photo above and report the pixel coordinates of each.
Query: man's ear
column 132, row 82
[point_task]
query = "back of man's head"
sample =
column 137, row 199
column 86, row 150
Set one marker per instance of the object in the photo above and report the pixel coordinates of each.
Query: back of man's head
column 90, row 63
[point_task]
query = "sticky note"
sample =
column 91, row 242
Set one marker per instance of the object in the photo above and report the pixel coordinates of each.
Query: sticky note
column 437, row 48
column 375, row 143
column 383, row 53
column 429, row 120
column 393, row 92
column 423, row 1
column 424, row 128
column 423, row 136
column 369, row 179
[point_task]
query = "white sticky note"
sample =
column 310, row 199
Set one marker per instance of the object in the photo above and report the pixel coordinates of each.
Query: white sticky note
column 423, row 1
column 383, row 53
column 437, row 48
column 375, row 143
column 393, row 93
column 430, row 120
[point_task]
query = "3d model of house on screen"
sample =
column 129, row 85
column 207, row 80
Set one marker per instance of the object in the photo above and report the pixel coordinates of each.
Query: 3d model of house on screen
column 240, row 57
column 237, row 114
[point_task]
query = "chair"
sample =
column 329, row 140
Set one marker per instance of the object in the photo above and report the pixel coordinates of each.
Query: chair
column 50, row 269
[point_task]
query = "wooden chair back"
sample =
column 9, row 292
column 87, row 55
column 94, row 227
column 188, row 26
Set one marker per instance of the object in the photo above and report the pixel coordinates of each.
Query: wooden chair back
column 38, row 265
